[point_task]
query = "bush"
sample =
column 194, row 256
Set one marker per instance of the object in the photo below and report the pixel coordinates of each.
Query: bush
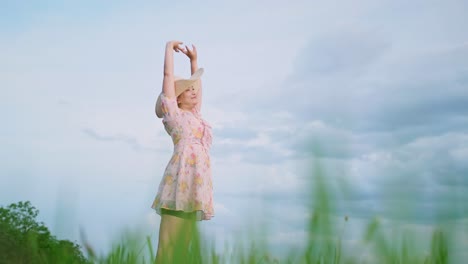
column 24, row 240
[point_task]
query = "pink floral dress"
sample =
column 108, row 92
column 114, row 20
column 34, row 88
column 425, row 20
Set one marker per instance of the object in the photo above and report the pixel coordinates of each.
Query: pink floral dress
column 186, row 184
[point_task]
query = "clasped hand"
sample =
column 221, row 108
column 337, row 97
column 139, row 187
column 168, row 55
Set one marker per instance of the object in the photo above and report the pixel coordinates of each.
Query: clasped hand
column 191, row 54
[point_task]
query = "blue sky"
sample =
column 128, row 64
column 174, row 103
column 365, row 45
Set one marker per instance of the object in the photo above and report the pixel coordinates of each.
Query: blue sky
column 381, row 87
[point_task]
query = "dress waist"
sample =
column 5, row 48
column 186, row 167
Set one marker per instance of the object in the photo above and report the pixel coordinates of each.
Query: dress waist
column 189, row 141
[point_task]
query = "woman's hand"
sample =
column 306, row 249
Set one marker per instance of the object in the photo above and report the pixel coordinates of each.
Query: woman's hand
column 175, row 45
column 192, row 54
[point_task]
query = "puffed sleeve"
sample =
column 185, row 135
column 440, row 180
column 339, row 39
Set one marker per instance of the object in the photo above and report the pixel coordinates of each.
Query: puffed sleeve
column 169, row 107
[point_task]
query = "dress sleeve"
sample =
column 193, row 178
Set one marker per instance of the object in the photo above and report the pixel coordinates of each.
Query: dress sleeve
column 169, row 107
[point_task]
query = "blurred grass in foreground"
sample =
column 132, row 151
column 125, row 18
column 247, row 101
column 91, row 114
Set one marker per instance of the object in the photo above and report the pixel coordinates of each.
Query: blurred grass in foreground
column 324, row 242
column 323, row 245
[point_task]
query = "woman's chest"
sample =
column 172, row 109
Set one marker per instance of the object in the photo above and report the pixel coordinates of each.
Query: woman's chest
column 190, row 125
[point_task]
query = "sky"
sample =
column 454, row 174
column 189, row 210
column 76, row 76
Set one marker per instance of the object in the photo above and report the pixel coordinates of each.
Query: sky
column 375, row 91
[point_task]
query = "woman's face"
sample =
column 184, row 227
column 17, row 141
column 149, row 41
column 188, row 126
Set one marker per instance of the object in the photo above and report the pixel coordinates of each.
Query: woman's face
column 188, row 98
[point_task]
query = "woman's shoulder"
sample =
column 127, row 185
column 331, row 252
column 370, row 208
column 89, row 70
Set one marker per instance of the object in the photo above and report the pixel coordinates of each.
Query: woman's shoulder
column 166, row 98
column 168, row 106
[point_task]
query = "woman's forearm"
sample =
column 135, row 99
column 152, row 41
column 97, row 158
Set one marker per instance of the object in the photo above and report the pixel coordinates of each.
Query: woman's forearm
column 169, row 59
column 193, row 66
column 168, row 80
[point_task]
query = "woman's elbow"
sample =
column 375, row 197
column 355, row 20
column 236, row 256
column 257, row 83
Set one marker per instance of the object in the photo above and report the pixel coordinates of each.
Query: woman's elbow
column 168, row 74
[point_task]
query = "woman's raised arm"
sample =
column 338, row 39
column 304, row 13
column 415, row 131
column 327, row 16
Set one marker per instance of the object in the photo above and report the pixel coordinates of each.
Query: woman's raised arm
column 193, row 56
column 168, row 80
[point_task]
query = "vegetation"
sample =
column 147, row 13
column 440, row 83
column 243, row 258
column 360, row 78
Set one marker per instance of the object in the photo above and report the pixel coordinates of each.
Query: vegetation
column 23, row 240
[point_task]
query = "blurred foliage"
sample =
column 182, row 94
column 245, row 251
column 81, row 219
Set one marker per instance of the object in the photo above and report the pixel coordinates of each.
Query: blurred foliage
column 323, row 245
column 24, row 240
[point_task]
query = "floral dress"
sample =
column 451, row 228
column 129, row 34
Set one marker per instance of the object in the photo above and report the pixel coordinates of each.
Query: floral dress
column 186, row 184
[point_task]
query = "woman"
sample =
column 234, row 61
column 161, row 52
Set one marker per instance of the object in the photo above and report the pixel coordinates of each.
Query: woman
column 185, row 193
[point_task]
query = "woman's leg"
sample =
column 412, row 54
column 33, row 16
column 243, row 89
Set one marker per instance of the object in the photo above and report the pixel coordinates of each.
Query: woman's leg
column 168, row 233
column 174, row 235
column 193, row 240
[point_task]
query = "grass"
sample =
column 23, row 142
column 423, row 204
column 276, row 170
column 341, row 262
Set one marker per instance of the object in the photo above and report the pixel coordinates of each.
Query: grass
column 324, row 242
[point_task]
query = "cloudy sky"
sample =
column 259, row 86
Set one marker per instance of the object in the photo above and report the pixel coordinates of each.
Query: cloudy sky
column 376, row 91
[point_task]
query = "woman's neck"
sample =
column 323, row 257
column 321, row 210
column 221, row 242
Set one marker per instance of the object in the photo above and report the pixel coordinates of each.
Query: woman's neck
column 186, row 107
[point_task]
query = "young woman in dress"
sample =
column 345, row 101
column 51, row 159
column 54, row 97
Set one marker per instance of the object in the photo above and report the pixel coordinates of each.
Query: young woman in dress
column 185, row 194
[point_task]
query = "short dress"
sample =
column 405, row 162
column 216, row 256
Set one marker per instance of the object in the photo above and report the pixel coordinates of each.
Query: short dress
column 186, row 184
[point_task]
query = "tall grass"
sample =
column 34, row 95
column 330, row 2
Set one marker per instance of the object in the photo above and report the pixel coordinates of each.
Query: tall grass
column 324, row 242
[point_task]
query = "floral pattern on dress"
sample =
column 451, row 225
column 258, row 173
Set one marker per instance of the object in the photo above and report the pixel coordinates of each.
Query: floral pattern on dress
column 186, row 184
